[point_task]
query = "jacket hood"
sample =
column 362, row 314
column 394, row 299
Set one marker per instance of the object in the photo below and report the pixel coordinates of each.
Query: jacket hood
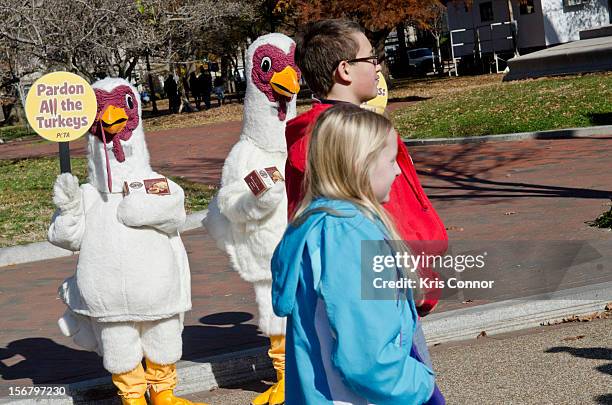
column 305, row 232
column 299, row 126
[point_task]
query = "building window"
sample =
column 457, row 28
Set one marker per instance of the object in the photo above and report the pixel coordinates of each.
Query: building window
column 486, row 11
column 527, row 7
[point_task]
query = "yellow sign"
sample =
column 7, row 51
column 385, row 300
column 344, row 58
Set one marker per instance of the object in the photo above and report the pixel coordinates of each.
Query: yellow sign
column 378, row 103
column 61, row 106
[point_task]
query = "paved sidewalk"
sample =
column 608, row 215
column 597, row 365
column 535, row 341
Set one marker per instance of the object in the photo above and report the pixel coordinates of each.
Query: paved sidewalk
column 33, row 351
column 533, row 190
column 565, row 364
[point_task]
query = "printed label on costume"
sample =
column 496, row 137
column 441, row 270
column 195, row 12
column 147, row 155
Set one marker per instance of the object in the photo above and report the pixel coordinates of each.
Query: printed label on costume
column 61, row 106
column 274, row 173
column 259, row 181
column 149, row 186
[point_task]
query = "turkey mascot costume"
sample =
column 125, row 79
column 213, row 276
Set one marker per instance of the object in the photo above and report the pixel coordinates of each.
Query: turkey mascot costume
column 132, row 284
column 248, row 228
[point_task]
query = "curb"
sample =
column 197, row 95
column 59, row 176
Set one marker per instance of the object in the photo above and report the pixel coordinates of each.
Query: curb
column 36, row 251
column 194, row 376
column 515, row 314
column 566, row 133
column 461, row 324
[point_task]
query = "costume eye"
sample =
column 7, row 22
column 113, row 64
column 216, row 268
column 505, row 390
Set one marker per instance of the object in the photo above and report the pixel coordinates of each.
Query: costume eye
column 266, row 64
column 129, row 101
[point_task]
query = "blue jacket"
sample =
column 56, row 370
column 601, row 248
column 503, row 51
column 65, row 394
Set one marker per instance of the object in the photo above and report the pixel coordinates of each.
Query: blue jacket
column 340, row 348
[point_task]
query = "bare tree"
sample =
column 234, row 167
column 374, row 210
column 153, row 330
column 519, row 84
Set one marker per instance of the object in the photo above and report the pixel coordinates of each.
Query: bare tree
column 101, row 37
column 107, row 37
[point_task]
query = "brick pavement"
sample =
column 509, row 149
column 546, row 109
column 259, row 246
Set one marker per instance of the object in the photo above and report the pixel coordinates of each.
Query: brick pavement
column 535, row 190
column 195, row 153
column 32, row 350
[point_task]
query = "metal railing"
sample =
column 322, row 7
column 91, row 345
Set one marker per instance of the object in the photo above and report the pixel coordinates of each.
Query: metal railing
column 478, row 42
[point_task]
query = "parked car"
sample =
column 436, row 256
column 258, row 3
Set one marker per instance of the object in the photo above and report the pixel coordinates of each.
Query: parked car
column 421, row 60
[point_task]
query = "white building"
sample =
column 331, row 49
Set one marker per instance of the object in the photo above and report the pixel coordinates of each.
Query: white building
column 485, row 25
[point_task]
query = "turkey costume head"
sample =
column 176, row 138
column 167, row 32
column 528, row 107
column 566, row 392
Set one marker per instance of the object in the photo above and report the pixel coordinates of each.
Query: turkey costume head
column 116, row 146
column 272, row 86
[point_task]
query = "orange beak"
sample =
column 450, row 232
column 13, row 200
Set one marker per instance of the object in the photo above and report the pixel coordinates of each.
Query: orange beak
column 113, row 119
column 285, row 83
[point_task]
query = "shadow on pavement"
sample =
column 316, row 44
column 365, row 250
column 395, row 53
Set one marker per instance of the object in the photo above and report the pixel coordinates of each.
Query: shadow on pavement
column 466, row 171
column 594, row 353
column 224, row 332
column 44, row 361
column 229, row 331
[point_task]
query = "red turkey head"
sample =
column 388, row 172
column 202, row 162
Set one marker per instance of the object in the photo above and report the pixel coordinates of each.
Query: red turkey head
column 275, row 74
column 118, row 115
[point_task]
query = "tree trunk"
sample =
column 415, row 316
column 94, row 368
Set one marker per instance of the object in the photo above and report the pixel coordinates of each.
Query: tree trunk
column 439, row 64
column 402, row 60
column 131, row 66
column 377, row 39
column 513, row 31
column 242, row 50
column 151, row 88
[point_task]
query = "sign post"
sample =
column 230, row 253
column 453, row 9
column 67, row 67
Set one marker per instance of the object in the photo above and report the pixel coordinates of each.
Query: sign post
column 61, row 107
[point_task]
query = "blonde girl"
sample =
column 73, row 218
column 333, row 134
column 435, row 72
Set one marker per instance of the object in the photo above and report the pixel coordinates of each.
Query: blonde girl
column 342, row 348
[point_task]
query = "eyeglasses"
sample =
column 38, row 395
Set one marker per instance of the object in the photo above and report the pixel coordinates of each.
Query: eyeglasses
column 373, row 59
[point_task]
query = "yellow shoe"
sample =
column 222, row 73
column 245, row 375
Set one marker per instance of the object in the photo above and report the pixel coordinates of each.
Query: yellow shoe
column 264, row 397
column 132, row 386
column 275, row 395
column 167, row 398
column 134, row 401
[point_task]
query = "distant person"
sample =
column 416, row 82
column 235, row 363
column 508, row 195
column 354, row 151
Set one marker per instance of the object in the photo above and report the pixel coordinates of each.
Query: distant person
column 219, row 83
column 194, row 86
column 205, row 81
column 171, row 90
column 186, row 87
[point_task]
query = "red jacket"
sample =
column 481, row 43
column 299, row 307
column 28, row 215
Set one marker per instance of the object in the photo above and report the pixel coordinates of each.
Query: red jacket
column 414, row 216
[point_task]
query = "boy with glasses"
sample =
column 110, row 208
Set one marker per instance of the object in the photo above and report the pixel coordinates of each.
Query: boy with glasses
column 340, row 66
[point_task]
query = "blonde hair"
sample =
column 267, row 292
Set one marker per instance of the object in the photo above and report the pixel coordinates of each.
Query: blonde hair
column 345, row 142
column 344, row 145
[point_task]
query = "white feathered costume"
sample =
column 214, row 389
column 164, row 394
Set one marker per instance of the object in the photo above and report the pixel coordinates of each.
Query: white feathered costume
column 132, row 282
column 248, row 228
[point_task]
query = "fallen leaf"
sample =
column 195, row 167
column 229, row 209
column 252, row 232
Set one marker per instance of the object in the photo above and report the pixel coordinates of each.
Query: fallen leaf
column 607, row 314
column 574, row 337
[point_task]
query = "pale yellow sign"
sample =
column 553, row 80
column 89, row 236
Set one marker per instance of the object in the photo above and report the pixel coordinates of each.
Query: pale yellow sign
column 61, row 106
column 379, row 103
